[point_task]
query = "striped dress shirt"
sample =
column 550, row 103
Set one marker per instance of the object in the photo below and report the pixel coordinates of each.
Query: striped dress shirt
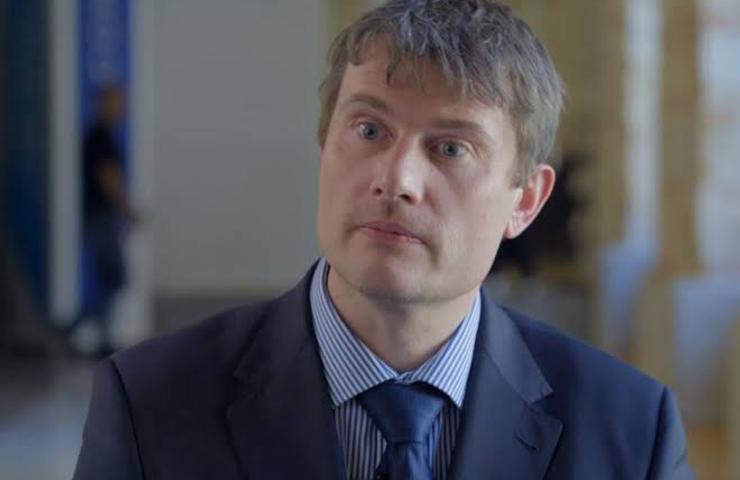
column 351, row 368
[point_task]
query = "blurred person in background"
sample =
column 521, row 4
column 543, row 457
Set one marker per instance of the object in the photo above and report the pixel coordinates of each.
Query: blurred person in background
column 388, row 360
column 107, row 213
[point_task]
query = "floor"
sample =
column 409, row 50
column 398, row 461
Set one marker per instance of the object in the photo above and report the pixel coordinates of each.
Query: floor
column 43, row 405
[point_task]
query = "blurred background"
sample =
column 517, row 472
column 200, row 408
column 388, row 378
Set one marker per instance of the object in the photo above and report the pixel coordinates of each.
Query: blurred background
column 158, row 163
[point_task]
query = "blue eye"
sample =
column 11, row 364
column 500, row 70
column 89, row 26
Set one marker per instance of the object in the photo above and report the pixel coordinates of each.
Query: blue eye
column 451, row 149
column 369, row 131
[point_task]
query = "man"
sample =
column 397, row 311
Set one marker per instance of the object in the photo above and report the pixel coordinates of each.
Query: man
column 107, row 213
column 387, row 360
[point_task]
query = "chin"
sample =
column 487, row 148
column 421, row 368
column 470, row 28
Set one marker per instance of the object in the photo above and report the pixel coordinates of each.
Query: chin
column 393, row 283
column 385, row 274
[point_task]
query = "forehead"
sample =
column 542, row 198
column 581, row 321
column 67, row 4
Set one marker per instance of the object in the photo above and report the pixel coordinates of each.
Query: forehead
column 422, row 77
column 422, row 84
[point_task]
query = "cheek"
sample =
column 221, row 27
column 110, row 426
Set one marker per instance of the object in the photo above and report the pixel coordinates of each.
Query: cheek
column 332, row 170
column 347, row 174
column 340, row 185
column 497, row 218
column 486, row 215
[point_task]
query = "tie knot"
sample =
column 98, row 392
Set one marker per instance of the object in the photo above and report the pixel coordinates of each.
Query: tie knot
column 404, row 413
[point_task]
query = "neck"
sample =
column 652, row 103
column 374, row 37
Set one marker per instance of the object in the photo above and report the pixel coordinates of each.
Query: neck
column 402, row 335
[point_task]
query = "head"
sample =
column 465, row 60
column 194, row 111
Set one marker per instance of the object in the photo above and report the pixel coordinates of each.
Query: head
column 111, row 104
column 437, row 121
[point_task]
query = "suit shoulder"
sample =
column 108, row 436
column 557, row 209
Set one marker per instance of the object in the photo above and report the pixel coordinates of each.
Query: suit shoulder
column 208, row 348
column 566, row 359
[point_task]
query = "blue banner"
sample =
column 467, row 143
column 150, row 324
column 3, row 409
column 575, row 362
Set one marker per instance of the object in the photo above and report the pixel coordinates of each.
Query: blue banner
column 105, row 59
column 104, row 56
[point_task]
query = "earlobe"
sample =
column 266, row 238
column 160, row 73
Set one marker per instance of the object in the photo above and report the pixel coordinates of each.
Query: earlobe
column 512, row 229
column 514, row 220
column 532, row 197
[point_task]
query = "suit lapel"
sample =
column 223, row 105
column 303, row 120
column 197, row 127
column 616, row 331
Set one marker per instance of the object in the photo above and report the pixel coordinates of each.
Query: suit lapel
column 281, row 421
column 502, row 433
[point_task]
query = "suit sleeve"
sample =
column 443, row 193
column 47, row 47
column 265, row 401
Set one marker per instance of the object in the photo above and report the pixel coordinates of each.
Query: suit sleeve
column 669, row 459
column 109, row 445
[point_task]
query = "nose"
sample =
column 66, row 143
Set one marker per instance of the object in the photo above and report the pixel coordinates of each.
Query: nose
column 399, row 175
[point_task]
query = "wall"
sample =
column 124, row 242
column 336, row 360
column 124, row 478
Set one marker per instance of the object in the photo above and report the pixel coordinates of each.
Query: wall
column 235, row 161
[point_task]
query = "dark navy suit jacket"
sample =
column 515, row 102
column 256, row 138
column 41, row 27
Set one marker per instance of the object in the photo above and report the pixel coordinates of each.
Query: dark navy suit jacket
column 243, row 396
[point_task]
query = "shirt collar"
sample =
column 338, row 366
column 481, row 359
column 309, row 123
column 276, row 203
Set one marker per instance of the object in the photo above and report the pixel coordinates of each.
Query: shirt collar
column 351, row 367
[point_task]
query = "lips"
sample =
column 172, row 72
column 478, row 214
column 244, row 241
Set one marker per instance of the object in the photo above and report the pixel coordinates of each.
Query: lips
column 390, row 231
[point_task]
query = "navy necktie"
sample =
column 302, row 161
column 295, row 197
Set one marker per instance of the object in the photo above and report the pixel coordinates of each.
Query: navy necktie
column 404, row 413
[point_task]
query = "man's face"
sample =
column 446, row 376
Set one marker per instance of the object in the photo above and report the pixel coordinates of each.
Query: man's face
column 415, row 185
column 112, row 104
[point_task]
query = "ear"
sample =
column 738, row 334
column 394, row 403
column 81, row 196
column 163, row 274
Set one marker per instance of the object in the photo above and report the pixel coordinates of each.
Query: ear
column 533, row 196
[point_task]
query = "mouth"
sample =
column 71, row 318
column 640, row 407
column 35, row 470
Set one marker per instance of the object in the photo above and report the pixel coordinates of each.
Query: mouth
column 389, row 232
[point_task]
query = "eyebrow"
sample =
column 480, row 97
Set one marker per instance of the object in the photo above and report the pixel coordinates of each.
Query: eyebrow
column 369, row 100
column 464, row 125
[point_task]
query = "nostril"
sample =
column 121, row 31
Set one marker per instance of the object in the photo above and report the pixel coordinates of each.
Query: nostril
column 409, row 198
